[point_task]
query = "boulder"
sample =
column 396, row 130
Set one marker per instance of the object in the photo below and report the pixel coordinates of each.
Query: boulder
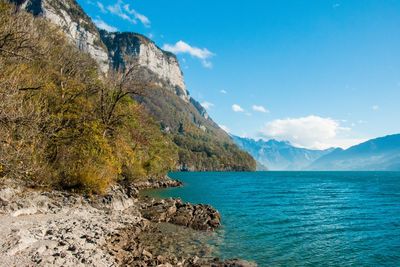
column 198, row 217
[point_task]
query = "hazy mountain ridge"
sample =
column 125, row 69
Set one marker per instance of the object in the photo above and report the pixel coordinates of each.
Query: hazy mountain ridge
column 280, row 155
column 379, row 154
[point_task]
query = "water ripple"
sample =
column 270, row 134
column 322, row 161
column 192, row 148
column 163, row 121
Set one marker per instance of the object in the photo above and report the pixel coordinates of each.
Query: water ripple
column 302, row 218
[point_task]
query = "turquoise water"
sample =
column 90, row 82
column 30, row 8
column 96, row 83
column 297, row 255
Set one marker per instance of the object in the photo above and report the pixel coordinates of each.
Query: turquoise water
column 302, row 218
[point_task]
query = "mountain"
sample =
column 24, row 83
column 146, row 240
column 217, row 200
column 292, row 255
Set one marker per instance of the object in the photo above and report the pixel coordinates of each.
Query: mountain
column 202, row 144
column 380, row 154
column 279, row 155
column 74, row 22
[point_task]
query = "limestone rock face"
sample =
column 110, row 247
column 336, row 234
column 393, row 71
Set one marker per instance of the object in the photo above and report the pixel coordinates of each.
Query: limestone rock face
column 162, row 63
column 78, row 27
column 116, row 50
column 127, row 49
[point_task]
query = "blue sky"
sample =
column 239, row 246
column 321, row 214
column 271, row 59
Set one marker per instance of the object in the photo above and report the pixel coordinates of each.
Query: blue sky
column 318, row 73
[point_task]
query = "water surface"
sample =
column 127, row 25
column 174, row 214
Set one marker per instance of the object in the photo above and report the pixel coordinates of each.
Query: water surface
column 302, row 218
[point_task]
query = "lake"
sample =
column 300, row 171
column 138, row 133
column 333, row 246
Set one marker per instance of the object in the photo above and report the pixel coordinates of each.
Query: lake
column 301, row 218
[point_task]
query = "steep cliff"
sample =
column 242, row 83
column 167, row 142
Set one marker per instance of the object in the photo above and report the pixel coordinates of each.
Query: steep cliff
column 128, row 49
column 78, row 27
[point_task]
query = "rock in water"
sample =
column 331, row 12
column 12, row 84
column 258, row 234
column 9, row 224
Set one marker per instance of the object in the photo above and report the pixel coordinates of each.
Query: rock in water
column 198, row 217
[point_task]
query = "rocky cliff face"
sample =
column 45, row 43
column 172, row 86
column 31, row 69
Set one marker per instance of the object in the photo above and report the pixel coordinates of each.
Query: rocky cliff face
column 129, row 49
column 78, row 27
column 115, row 50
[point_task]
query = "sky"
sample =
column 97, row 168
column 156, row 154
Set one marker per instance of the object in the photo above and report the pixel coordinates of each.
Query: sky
column 317, row 73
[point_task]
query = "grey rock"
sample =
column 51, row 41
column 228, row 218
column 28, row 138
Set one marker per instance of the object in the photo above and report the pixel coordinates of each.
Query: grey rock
column 198, row 217
column 112, row 230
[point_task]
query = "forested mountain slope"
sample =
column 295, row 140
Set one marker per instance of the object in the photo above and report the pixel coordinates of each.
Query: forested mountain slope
column 159, row 86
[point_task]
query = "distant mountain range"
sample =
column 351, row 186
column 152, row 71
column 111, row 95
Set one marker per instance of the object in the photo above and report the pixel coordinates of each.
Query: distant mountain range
column 380, row 154
column 279, row 155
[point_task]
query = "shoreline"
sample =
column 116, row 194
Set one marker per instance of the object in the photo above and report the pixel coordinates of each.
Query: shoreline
column 54, row 228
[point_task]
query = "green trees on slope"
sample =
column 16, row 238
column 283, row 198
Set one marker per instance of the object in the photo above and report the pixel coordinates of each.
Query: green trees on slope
column 200, row 149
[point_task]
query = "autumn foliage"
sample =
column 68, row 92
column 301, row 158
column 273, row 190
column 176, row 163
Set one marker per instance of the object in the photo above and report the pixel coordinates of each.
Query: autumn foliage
column 64, row 124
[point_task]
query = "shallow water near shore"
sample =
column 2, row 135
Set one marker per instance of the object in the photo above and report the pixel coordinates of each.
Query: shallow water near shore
column 165, row 238
column 301, row 218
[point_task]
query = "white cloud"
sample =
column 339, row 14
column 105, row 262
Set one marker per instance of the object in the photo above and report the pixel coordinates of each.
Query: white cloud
column 336, row 5
column 123, row 11
column 184, row 48
column 237, row 108
column 103, row 25
column 101, row 7
column 207, row 64
column 375, row 107
column 260, row 109
column 116, row 9
column 310, row 132
column 142, row 18
column 223, row 127
column 223, row 92
column 207, row 105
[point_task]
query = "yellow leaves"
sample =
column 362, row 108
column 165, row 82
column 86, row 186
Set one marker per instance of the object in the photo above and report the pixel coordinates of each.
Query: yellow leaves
column 4, row 7
column 96, row 177
column 91, row 175
column 59, row 133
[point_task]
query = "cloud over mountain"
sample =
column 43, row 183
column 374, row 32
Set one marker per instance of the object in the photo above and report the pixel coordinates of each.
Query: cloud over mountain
column 125, row 12
column 103, row 25
column 182, row 47
column 310, row 132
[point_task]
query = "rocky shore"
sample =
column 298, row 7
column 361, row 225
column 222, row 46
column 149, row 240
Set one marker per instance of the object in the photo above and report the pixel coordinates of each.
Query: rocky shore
column 57, row 228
